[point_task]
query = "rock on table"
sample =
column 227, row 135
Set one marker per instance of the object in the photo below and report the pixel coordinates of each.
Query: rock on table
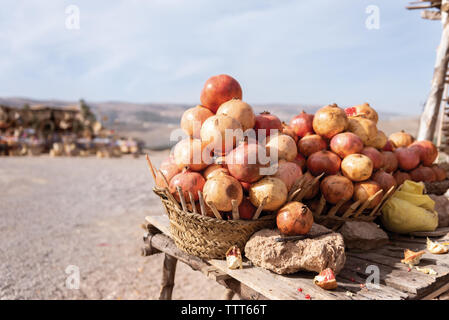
column 317, row 254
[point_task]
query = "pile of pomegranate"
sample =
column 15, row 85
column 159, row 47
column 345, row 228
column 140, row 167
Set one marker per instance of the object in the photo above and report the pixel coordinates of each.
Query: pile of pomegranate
column 357, row 159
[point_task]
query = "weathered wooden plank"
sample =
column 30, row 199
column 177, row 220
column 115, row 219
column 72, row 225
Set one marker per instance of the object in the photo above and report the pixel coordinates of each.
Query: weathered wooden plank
column 278, row 287
column 354, row 275
column 418, row 283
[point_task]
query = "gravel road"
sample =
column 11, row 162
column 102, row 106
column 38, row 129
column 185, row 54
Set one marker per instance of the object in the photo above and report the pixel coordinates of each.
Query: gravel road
column 68, row 214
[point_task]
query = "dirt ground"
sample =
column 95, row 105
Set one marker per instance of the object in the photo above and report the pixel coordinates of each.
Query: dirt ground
column 84, row 212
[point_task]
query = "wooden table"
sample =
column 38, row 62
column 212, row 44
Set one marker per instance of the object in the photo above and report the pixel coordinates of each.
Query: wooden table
column 397, row 281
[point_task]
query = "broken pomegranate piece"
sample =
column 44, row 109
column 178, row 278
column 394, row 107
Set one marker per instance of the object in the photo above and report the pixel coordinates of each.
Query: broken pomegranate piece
column 326, row 279
column 412, row 258
column 234, row 258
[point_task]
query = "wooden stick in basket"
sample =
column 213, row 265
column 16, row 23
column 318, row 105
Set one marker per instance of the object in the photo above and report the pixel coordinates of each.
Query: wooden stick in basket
column 192, row 201
column 150, row 165
column 235, row 210
column 181, row 196
column 202, row 205
column 167, row 189
column 366, row 203
column 382, row 202
column 351, row 209
column 260, row 208
column 214, row 210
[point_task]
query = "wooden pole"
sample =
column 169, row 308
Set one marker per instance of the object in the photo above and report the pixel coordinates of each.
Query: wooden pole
column 430, row 114
column 168, row 277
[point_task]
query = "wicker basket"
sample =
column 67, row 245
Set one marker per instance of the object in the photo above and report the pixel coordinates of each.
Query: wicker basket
column 207, row 237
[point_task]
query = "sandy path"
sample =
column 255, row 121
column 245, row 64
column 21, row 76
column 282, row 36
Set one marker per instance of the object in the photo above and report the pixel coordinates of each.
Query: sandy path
column 84, row 212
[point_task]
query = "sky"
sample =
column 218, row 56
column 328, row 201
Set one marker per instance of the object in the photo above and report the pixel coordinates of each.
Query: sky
column 296, row 52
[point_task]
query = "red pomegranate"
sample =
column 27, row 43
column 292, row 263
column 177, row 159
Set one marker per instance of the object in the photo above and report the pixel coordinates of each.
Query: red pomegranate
column 169, row 169
column 246, row 209
column 243, row 162
column 390, row 161
column 313, row 191
column 286, row 129
column 385, row 180
column 346, row 143
column 300, row 160
column 310, row 144
column 425, row 174
column 288, row 172
column 323, row 161
column 408, row 158
column 265, row 122
column 302, row 124
column 375, row 156
column 364, row 111
column 336, row 188
column 401, row 139
column 401, row 176
column 428, row 153
column 389, row 146
column 365, row 189
column 245, row 186
column 219, row 89
column 329, row 121
column 440, row 173
column 188, row 181
column 193, row 118
column 294, row 219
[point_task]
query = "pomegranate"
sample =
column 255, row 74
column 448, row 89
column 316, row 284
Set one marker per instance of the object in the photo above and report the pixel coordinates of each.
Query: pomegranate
column 191, row 153
column 385, row 180
column 389, row 146
column 265, row 122
column 329, row 121
column 284, row 145
column 188, row 181
column 245, row 186
column 390, row 161
column 326, row 279
column 302, row 124
column 335, row 188
column 440, row 173
column 365, row 129
column 286, row 129
column 213, row 170
column 379, row 141
column 294, row 219
column 169, row 170
column 401, row 139
column 401, row 176
column 273, row 189
column 346, row 143
column 219, row 89
column 357, row 167
column 428, row 153
column 243, row 162
column 213, row 133
column 364, row 111
column 240, row 111
column 310, row 144
column 220, row 190
column 408, row 158
column 300, row 161
column 323, row 161
column 193, row 118
column 246, row 210
column 288, row 172
column 375, row 156
column 365, row 189
column 313, row 191
column 425, row 174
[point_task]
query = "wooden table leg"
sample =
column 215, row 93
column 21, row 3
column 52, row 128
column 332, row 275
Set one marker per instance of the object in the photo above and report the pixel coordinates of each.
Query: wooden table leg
column 168, row 277
column 228, row 294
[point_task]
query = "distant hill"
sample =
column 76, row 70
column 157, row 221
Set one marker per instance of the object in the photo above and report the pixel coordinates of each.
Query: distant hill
column 153, row 122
